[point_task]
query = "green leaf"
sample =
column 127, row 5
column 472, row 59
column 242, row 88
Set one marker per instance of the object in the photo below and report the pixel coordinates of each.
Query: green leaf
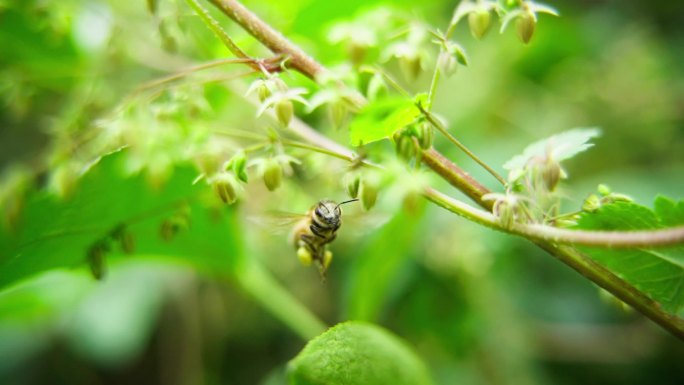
column 381, row 119
column 669, row 212
column 54, row 233
column 559, row 147
column 357, row 353
column 660, row 272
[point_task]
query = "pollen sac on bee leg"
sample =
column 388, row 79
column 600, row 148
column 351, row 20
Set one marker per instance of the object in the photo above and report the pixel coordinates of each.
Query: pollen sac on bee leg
column 327, row 258
column 304, row 256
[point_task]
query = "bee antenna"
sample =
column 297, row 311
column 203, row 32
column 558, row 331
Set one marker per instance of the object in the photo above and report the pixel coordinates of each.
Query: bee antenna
column 349, row 201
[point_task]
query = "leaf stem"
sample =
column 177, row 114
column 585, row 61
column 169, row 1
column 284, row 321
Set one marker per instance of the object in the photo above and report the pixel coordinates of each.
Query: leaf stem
column 440, row 127
column 433, row 84
column 334, row 154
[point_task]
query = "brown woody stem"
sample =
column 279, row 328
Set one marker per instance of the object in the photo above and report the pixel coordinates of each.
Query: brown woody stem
column 269, row 37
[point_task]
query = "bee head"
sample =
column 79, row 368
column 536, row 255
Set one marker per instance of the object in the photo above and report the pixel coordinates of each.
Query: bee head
column 329, row 212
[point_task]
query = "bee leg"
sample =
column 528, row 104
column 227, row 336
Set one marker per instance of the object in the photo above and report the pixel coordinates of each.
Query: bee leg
column 304, row 256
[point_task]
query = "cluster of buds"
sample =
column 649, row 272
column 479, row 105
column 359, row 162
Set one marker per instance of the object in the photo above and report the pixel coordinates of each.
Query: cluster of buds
column 98, row 250
column 545, row 172
column 509, row 208
column 420, row 133
column 605, row 196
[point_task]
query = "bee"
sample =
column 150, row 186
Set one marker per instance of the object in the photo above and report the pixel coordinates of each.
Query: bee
column 312, row 234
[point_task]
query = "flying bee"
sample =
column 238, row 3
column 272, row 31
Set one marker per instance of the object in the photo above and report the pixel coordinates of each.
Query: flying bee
column 312, row 234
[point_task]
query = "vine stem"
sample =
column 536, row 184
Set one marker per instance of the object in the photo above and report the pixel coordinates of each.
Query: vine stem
column 453, row 174
column 555, row 235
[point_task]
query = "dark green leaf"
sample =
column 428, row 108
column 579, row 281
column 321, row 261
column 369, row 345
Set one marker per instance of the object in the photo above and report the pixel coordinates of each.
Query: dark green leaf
column 357, row 353
column 659, row 272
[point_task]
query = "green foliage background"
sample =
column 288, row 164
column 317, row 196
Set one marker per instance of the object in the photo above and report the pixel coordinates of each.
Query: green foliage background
column 225, row 302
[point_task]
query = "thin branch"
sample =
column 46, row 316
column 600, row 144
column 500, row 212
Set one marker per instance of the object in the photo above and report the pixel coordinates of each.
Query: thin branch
column 440, row 127
column 187, row 71
column 271, row 38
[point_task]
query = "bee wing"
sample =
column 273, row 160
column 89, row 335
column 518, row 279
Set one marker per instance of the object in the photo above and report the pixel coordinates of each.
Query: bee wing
column 358, row 223
column 278, row 222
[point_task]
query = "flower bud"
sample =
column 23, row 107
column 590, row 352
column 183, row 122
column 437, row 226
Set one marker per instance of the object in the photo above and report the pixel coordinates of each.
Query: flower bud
column 525, row 25
column 479, row 22
column 352, row 181
column 447, row 63
column 284, row 111
column 404, row 145
column 425, row 135
column 225, row 186
column 369, row 193
column 273, row 174
column 261, row 88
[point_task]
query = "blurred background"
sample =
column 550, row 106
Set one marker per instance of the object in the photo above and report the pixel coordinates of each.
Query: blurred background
column 479, row 307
